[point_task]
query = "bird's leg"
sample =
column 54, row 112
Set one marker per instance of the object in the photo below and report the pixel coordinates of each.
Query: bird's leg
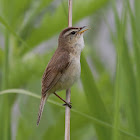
column 66, row 103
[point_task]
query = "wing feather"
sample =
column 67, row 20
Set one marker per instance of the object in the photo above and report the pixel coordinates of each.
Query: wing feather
column 55, row 69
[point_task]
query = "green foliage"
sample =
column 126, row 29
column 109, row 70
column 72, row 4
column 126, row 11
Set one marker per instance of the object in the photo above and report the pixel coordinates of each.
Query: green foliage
column 104, row 108
column 94, row 99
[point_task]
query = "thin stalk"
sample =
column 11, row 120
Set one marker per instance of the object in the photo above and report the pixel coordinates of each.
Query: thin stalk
column 68, row 91
column 116, row 121
column 6, row 62
column 5, row 117
column 117, row 100
column 67, row 116
column 136, row 53
column 70, row 14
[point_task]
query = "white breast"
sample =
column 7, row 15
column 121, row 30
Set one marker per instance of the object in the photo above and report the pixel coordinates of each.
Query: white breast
column 81, row 42
column 72, row 74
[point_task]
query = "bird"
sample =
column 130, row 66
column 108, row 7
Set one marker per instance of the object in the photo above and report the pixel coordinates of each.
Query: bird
column 64, row 68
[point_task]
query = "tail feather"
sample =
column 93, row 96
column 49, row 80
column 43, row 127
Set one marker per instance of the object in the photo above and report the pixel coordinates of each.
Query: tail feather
column 41, row 107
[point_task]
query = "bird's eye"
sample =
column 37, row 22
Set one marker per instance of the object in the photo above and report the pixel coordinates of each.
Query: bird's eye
column 73, row 32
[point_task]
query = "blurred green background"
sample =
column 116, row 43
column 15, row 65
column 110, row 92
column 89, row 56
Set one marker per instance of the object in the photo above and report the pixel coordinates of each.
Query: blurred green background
column 106, row 100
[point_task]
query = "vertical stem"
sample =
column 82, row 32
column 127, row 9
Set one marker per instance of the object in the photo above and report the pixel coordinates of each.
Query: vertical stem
column 5, row 113
column 117, row 100
column 6, row 61
column 70, row 14
column 67, row 116
column 68, row 91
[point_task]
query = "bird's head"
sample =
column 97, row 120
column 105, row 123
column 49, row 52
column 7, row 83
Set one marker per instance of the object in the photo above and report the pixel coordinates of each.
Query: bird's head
column 72, row 36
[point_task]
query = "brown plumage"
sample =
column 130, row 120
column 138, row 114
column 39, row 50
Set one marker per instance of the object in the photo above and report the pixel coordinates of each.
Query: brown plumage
column 64, row 67
column 55, row 69
column 52, row 74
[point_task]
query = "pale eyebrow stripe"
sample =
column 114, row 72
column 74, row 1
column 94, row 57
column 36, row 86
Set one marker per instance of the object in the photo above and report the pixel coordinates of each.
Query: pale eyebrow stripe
column 68, row 32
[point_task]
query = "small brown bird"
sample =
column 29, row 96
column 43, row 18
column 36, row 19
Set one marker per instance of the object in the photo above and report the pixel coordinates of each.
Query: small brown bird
column 64, row 67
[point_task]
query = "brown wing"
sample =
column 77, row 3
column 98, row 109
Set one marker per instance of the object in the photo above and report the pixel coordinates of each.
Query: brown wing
column 56, row 67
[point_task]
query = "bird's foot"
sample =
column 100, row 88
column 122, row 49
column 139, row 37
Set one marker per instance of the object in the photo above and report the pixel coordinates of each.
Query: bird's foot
column 68, row 104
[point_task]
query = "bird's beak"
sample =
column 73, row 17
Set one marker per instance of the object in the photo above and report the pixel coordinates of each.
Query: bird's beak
column 83, row 29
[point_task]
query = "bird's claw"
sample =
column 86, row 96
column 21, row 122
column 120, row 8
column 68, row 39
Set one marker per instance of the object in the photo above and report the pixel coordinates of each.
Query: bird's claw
column 68, row 104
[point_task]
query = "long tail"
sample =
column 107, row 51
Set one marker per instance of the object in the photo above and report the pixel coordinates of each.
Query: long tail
column 41, row 107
